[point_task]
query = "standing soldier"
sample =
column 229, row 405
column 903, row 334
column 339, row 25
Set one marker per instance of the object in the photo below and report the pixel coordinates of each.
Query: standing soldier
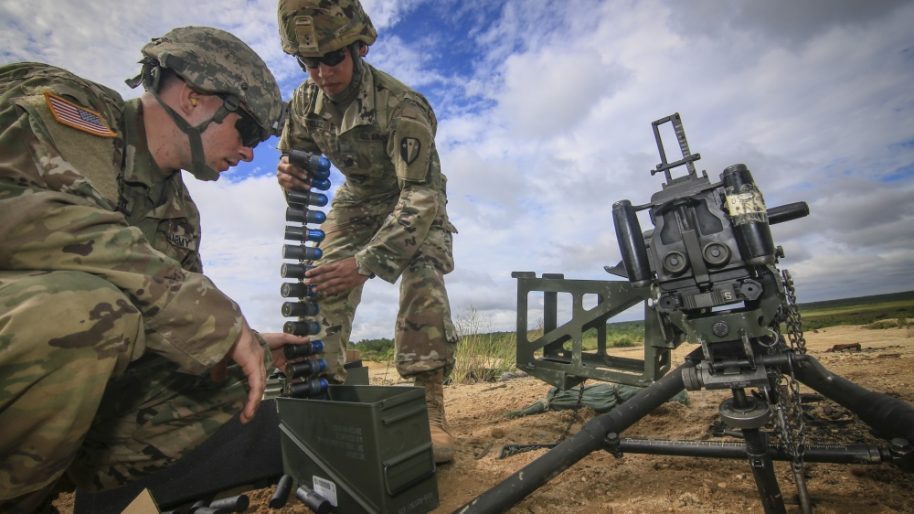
column 107, row 326
column 388, row 219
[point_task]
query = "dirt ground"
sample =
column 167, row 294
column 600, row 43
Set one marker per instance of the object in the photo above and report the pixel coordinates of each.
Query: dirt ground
column 601, row 483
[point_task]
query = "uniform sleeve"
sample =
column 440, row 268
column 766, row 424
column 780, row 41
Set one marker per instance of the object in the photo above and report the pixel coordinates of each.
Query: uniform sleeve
column 50, row 222
column 295, row 132
column 411, row 148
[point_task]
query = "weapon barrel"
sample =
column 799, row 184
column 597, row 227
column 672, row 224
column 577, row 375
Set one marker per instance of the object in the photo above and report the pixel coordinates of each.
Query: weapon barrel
column 591, row 437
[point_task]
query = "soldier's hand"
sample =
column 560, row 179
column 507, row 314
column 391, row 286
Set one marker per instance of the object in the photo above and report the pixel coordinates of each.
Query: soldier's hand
column 276, row 341
column 248, row 354
column 336, row 277
column 291, row 176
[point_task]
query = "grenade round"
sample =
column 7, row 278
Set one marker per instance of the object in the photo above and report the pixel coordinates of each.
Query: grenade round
column 315, row 164
column 301, row 328
column 304, row 234
column 294, row 351
column 294, row 233
column 210, row 510
column 306, row 368
column 232, row 504
column 315, row 502
column 296, row 290
column 281, row 494
column 299, row 309
column 322, row 184
column 320, row 174
column 301, row 253
column 313, row 387
column 293, row 270
column 306, row 198
column 297, row 214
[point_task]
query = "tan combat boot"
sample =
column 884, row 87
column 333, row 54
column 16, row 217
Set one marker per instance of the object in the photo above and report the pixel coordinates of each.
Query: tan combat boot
column 442, row 440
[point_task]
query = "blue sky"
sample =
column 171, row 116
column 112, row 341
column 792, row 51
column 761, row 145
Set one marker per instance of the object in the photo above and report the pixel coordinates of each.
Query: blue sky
column 544, row 112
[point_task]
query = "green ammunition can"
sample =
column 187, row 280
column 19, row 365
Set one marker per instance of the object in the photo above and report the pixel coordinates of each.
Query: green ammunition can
column 366, row 449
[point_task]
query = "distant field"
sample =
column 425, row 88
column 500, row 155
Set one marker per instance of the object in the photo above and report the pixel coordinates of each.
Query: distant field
column 874, row 311
column 859, row 311
column 879, row 311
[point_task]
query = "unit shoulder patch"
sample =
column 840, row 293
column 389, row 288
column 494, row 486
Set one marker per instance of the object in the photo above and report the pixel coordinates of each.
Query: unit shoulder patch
column 76, row 116
column 409, row 149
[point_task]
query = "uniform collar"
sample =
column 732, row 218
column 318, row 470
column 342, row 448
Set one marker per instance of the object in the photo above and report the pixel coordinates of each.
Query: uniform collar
column 139, row 166
column 141, row 173
column 360, row 111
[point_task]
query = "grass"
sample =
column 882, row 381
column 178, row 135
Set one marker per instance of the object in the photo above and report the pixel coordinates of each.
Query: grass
column 378, row 350
column 481, row 356
column 866, row 311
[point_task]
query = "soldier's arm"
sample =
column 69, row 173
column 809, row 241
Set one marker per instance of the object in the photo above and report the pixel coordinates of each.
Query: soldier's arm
column 52, row 220
column 411, row 148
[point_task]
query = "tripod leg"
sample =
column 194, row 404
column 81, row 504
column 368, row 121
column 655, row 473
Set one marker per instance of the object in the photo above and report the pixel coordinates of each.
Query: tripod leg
column 749, row 415
column 888, row 416
column 763, row 471
column 802, row 492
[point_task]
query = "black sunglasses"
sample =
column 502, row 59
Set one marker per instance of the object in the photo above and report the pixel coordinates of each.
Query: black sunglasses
column 328, row 59
column 250, row 132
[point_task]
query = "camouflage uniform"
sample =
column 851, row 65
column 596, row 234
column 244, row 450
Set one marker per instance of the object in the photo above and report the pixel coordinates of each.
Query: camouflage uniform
column 105, row 318
column 389, row 214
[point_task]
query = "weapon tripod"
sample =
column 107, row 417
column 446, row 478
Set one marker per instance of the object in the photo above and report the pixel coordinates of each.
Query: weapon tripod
column 707, row 272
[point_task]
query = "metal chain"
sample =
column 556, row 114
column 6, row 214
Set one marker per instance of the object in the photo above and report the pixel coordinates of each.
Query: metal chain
column 793, row 321
column 509, row 450
column 798, row 344
column 574, row 414
column 789, row 407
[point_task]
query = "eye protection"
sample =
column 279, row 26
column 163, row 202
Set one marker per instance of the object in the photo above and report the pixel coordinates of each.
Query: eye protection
column 328, row 59
column 251, row 133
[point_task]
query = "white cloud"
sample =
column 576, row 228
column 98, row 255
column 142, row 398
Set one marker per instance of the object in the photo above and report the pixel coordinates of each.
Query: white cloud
column 548, row 123
column 548, row 93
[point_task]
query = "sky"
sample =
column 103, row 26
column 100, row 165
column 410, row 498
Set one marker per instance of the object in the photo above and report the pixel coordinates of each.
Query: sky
column 544, row 120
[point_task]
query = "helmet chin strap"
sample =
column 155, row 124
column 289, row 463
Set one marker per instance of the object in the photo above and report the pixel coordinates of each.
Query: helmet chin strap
column 198, row 167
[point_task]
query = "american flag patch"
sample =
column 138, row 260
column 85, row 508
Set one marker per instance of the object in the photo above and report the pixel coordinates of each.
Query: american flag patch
column 76, row 116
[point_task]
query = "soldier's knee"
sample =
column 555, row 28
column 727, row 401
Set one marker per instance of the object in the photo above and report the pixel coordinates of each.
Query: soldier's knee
column 72, row 310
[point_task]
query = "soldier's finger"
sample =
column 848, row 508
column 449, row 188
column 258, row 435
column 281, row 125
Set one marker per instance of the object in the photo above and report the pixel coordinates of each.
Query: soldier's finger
column 256, row 386
column 319, row 271
column 248, row 354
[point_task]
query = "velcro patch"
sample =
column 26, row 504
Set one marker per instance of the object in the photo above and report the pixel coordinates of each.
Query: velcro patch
column 414, row 142
column 304, row 34
column 76, row 116
column 409, row 149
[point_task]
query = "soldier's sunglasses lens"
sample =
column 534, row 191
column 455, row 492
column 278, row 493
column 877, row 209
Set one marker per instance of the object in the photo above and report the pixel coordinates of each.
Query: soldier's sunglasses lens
column 328, row 59
column 251, row 134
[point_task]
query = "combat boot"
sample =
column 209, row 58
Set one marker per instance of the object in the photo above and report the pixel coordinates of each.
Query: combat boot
column 442, row 440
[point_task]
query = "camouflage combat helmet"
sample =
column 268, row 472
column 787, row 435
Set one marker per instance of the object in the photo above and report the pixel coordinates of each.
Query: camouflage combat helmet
column 213, row 61
column 312, row 28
